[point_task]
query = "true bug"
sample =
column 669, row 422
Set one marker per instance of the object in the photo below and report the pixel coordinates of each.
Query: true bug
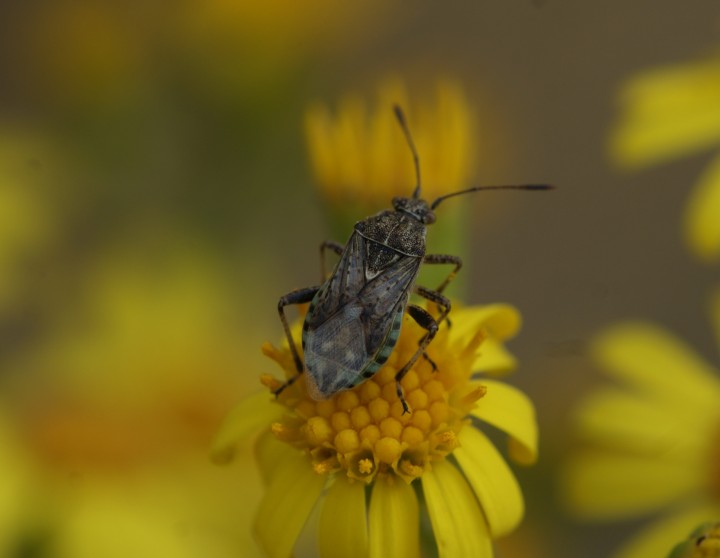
column 354, row 318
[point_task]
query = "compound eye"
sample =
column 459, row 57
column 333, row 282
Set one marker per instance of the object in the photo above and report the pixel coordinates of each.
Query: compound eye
column 429, row 218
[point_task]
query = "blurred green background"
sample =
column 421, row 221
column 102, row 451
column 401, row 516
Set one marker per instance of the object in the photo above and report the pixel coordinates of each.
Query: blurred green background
column 156, row 199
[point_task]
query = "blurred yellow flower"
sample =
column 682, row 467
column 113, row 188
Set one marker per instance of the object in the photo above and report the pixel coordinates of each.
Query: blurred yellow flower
column 27, row 222
column 331, row 452
column 115, row 408
column 653, row 440
column 361, row 156
column 668, row 113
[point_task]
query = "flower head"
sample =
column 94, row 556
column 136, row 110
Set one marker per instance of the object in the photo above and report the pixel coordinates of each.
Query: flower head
column 653, row 440
column 359, row 440
column 361, row 156
column 668, row 113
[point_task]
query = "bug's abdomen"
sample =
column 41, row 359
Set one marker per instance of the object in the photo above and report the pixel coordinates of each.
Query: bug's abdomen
column 335, row 352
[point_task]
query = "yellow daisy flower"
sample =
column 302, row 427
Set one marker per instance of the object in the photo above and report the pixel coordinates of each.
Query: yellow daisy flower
column 653, row 439
column 669, row 113
column 329, row 455
column 361, row 156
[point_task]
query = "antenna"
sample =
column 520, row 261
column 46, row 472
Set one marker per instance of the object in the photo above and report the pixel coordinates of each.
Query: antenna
column 403, row 124
column 478, row 188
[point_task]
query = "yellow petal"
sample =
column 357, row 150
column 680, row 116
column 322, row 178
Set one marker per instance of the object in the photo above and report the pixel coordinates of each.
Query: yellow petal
column 501, row 321
column 287, row 505
column 702, row 214
column 492, row 480
column 620, row 419
column 458, row 524
column 343, row 520
column 663, row 368
column 660, row 537
column 668, row 112
column 601, row 485
column 715, row 313
column 493, row 358
column 510, row 410
column 394, row 520
column 247, row 418
column 270, row 452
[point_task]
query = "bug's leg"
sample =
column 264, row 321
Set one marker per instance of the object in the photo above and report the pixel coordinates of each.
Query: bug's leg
column 328, row 245
column 299, row 296
column 426, row 321
column 445, row 259
column 430, row 361
column 441, row 301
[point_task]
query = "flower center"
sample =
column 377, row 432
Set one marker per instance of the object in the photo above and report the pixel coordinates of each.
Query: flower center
column 363, row 431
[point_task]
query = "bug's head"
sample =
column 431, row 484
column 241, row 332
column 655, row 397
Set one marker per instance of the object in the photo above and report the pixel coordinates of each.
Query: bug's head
column 416, row 208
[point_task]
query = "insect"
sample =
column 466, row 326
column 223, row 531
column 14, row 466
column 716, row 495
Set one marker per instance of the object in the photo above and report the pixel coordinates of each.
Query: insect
column 354, row 318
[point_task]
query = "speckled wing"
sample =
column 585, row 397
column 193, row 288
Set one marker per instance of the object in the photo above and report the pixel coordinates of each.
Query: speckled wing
column 350, row 319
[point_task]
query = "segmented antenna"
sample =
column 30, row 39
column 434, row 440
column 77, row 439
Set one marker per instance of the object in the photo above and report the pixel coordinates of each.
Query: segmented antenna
column 434, row 204
column 403, row 124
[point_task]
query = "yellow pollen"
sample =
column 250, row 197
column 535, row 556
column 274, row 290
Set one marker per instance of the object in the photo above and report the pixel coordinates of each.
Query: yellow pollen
column 325, row 408
column 417, row 399
column 435, row 390
column 439, row 412
column 391, row 427
column 369, row 391
column 318, row 430
column 365, row 466
column 398, row 412
column 347, row 441
column 347, row 400
column 389, row 391
column 322, row 468
column 379, row 409
column 340, row 421
column 422, row 420
column 281, row 431
column 412, row 436
column 409, row 469
column 360, row 417
column 370, row 434
column 388, row 450
column 386, row 375
column 305, row 408
column 410, row 381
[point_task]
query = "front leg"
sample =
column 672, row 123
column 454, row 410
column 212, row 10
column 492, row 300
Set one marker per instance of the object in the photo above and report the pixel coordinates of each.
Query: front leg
column 328, row 245
column 299, row 296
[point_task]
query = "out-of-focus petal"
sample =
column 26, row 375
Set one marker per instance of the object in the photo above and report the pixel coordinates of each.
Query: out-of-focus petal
column 598, row 484
column 510, row 410
column 702, row 214
column 394, row 520
column 501, row 321
column 287, row 504
column 658, row 539
column 493, row 358
column 668, row 112
column 663, row 368
column 620, row 419
column 343, row 520
column 492, row 480
column 458, row 523
column 247, row 418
